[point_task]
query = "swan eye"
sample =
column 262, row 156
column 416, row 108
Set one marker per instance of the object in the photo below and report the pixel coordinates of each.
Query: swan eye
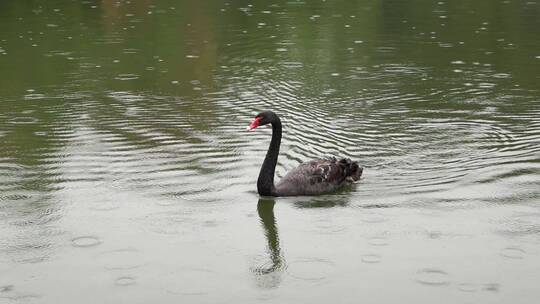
column 255, row 123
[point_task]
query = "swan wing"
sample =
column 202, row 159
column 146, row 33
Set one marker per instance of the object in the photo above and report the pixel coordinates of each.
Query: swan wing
column 319, row 176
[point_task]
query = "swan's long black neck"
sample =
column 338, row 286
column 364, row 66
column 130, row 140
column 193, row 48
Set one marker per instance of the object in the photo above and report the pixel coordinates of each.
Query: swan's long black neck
column 265, row 183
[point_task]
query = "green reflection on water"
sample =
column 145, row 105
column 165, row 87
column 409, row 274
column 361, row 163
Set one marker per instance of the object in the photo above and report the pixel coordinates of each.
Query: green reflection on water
column 177, row 68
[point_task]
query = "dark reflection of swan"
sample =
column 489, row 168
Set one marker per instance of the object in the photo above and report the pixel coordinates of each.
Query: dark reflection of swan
column 327, row 201
column 268, row 274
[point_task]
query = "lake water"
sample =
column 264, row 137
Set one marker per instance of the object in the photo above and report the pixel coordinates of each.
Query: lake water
column 127, row 176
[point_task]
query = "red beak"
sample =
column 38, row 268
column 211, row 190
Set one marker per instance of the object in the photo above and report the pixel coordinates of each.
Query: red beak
column 255, row 123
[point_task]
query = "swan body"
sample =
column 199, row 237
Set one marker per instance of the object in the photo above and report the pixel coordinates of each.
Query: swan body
column 314, row 177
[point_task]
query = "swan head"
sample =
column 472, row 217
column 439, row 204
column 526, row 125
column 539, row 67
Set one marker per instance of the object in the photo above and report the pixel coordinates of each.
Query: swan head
column 262, row 119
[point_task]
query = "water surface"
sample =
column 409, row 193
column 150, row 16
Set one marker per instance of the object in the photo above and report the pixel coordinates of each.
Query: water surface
column 126, row 174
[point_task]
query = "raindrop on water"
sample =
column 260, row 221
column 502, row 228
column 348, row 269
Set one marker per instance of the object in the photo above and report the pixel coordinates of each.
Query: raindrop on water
column 467, row 287
column 377, row 241
column 85, row 241
column 125, row 281
column 310, row 269
column 433, row 277
column 513, row 253
column 371, row 258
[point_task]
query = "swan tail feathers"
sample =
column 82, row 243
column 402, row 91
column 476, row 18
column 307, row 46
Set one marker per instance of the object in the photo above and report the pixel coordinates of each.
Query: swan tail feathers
column 351, row 171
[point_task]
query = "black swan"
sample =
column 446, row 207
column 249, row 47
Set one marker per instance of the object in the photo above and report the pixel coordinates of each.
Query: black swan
column 315, row 177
